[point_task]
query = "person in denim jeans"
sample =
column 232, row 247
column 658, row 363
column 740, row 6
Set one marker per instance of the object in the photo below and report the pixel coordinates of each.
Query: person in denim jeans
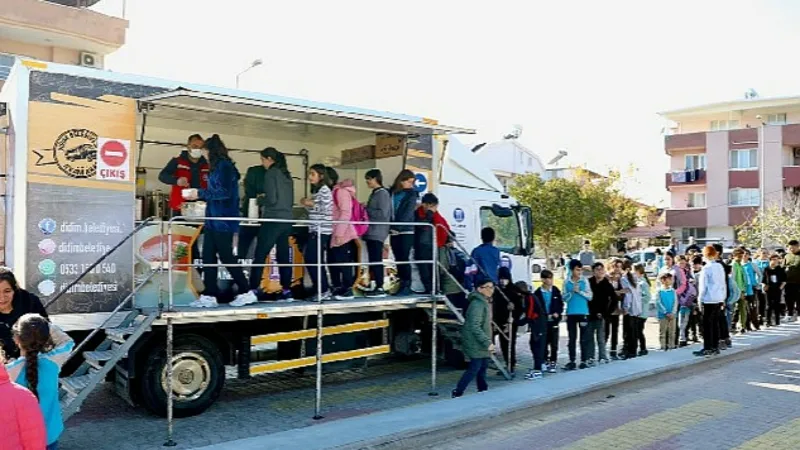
column 577, row 294
column 476, row 337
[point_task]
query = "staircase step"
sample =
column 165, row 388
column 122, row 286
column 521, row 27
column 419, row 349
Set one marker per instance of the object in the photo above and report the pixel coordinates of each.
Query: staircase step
column 97, row 358
column 74, row 385
column 119, row 334
column 447, row 321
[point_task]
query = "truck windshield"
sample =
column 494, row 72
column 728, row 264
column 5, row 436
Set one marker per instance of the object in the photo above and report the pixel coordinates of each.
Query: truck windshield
column 506, row 230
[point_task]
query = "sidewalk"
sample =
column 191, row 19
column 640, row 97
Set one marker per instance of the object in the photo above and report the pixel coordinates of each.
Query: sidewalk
column 397, row 425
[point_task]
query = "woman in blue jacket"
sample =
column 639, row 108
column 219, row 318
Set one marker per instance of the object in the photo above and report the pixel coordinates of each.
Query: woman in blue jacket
column 222, row 200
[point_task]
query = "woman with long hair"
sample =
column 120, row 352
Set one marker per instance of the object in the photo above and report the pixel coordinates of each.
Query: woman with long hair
column 404, row 203
column 275, row 203
column 15, row 302
column 319, row 207
column 222, row 200
column 44, row 349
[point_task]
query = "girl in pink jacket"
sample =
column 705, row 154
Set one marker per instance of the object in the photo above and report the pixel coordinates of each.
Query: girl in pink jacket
column 21, row 421
column 344, row 238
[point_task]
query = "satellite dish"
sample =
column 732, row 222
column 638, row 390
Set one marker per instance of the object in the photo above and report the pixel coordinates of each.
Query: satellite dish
column 559, row 157
column 750, row 94
column 515, row 133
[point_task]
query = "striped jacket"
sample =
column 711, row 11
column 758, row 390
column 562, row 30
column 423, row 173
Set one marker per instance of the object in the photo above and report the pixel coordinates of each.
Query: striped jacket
column 322, row 210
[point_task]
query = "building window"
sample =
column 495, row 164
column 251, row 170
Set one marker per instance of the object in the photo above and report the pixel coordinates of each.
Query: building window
column 719, row 125
column 694, row 162
column 743, row 197
column 744, row 159
column 776, row 119
column 697, row 233
column 696, row 200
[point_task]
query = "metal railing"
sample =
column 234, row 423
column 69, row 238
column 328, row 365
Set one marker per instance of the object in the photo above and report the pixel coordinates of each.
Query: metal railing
column 508, row 334
column 318, row 265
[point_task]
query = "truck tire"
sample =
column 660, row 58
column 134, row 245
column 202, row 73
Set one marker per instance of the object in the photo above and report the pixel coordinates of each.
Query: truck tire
column 199, row 375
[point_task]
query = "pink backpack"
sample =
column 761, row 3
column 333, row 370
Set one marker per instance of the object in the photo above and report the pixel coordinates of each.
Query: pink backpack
column 358, row 213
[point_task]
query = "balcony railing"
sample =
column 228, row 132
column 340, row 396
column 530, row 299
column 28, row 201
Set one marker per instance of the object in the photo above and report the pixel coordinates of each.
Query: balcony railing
column 686, row 177
column 689, row 141
column 693, row 217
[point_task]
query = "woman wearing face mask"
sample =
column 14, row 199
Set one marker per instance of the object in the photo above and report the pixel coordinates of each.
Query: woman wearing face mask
column 222, row 198
column 275, row 203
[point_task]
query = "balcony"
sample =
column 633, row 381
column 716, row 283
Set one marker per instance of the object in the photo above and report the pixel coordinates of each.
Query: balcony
column 791, row 176
column 686, row 178
column 791, row 135
column 695, row 218
column 745, row 179
column 52, row 24
column 689, row 141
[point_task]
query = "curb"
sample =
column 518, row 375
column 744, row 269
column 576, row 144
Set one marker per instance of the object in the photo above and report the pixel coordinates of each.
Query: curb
column 423, row 437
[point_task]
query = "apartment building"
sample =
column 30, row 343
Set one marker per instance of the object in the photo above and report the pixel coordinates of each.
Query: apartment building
column 717, row 165
column 62, row 31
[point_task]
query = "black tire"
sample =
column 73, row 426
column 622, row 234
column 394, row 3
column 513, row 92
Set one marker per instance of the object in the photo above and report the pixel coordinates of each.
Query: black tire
column 194, row 356
column 537, row 268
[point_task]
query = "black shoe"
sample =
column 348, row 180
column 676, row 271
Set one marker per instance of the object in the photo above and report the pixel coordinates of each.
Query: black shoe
column 683, row 344
column 570, row 366
column 583, row 365
column 729, row 343
column 643, row 352
column 404, row 292
column 344, row 294
column 622, row 357
column 455, row 394
column 614, row 356
column 700, row 353
column 714, row 352
column 695, row 340
column 377, row 293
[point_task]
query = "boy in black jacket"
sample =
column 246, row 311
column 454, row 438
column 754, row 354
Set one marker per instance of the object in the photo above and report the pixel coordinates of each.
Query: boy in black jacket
column 544, row 315
column 774, row 282
column 603, row 304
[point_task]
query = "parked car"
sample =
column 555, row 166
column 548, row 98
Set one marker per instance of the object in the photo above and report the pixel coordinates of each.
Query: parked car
column 646, row 257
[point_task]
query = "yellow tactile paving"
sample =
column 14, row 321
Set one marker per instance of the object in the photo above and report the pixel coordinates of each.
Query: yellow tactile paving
column 649, row 430
column 784, row 437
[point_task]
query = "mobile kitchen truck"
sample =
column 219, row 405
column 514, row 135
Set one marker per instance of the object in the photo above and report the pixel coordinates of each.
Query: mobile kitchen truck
column 86, row 229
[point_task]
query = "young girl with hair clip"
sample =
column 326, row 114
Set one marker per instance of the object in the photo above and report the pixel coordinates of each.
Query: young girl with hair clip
column 44, row 349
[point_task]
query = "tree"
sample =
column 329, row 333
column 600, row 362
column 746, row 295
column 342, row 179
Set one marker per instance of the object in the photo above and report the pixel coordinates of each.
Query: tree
column 774, row 224
column 565, row 212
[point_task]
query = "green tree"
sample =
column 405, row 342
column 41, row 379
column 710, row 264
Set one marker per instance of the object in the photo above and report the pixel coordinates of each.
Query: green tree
column 775, row 226
column 617, row 212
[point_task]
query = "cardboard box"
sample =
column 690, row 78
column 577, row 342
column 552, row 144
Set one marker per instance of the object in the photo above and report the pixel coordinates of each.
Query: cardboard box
column 358, row 154
column 389, row 145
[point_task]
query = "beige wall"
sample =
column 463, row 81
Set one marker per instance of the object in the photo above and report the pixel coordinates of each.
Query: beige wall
column 717, row 178
column 677, row 160
column 745, row 118
column 54, row 54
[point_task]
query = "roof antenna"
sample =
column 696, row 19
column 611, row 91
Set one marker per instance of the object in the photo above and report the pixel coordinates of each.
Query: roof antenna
column 515, row 133
column 751, row 94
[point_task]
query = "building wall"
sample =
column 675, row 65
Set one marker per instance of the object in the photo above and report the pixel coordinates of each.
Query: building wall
column 54, row 54
column 717, row 178
column 773, row 164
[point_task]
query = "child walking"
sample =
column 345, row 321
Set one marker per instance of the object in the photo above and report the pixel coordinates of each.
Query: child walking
column 319, row 207
column 554, row 307
column 577, row 295
column 476, row 337
column 667, row 308
column 44, row 349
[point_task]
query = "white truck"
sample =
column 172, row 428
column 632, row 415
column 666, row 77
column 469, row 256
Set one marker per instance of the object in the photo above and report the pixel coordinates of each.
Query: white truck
column 84, row 148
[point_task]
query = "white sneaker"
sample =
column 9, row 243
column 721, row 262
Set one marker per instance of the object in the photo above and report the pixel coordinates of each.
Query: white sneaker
column 205, row 301
column 247, row 298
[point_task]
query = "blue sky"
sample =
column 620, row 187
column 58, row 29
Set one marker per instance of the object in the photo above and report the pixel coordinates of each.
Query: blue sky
column 585, row 76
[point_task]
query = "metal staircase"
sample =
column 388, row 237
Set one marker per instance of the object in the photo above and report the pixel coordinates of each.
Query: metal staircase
column 450, row 320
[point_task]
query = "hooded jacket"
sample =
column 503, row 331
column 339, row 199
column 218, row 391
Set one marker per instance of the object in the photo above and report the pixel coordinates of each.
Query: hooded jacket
column 604, row 298
column 222, row 196
column 500, row 304
column 344, row 194
column 423, row 237
column 278, row 195
column 379, row 209
column 476, row 334
column 21, row 422
column 403, row 204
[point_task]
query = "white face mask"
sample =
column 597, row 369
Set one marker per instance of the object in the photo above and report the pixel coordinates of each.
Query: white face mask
column 196, row 152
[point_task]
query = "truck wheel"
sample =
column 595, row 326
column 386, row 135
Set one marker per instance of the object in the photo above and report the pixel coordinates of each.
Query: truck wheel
column 198, row 377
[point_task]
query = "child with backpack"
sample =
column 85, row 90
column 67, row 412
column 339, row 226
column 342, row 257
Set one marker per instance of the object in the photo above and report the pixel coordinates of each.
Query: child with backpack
column 344, row 239
column 424, row 245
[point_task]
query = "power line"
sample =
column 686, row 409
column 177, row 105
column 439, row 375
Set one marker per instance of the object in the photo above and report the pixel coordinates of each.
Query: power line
column 677, row 213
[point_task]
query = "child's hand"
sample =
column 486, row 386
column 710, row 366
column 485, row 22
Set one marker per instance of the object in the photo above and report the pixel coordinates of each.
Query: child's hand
column 307, row 202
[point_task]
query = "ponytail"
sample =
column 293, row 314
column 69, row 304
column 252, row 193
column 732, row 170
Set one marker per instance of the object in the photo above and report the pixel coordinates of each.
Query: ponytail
column 32, row 371
column 278, row 158
column 33, row 334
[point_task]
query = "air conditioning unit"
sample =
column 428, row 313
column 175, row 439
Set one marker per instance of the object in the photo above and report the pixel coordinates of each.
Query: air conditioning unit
column 89, row 59
column 796, row 152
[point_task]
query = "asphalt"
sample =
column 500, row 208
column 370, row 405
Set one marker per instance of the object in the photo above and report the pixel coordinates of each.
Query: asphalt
column 415, row 426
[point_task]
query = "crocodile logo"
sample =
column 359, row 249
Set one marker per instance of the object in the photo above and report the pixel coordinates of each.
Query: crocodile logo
column 74, row 152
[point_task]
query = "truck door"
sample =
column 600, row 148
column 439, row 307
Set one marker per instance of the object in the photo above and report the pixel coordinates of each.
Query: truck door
column 509, row 238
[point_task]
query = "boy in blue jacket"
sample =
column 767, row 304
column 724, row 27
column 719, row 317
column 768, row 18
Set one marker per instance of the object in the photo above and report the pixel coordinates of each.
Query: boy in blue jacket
column 667, row 310
column 486, row 255
column 577, row 295
column 543, row 312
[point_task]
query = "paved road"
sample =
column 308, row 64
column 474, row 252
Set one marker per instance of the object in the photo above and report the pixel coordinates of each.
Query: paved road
column 748, row 405
column 278, row 403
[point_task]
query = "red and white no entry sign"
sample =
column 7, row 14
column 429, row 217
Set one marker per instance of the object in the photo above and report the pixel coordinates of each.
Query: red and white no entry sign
column 114, row 153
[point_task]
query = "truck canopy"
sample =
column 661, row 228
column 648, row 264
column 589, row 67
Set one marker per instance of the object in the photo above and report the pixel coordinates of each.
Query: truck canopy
column 462, row 168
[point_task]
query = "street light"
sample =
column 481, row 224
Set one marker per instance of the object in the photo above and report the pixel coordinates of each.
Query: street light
column 255, row 63
column 762, row 150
